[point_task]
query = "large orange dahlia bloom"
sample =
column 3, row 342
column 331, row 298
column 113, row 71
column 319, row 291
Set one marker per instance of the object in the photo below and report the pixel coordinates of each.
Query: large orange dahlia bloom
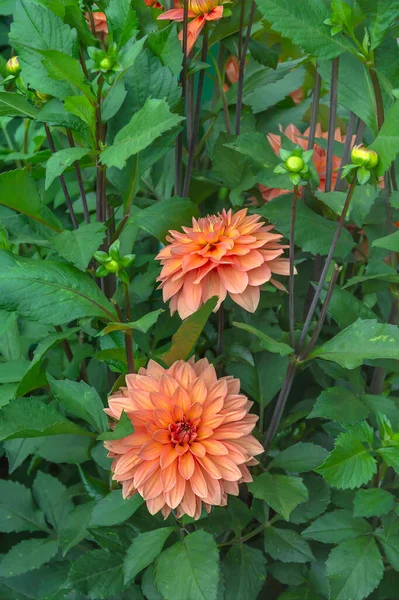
column 191, row 443
column 220, row 254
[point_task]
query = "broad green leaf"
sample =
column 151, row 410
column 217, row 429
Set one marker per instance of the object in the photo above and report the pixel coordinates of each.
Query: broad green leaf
column 29, row 418
column 144, row 127
column 354, row 569
column 299, row 458
column 81, row 107
column 50, row 292
column 337, row 526
column 380, row 16
column 345, row 308
column 123, row 428
column 70, row 449
column 389, row 242
column 287, row 545
column 267, row 342
column 282, row 492
column 165, row 45
column 18, row 191
column 384, row 405
column 62, row 67
column 17, row 510
column 374, row 502
column 165, row 215
column 15, row 105
column 318, row 499
column 148, row 585
column 27, row 555
column 13, row 370
column 54, row 113
column 263, row 97
column 144, row 549
column 98, row 574
column 74, row 529
column 340, row 405
column 313, row 233
column 114, row 509
column 386, row 143
column 189, row 569
column 18, row 450
column 288, row 573
column 184, row 340
column 95, row 488
column 143, row 324
column 78, row 246
column 80, row 400
column 391, row 457
column 389, row 539
column 363, row 340
column 122, row 21
column 351, row 463
column 360, row 206
column 303, row 24
column 61, row 160
column 51, row 496
column 244, row 570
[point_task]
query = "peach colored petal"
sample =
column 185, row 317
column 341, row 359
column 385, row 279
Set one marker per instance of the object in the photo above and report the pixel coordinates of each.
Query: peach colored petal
column 248, row 299
column 186, row 465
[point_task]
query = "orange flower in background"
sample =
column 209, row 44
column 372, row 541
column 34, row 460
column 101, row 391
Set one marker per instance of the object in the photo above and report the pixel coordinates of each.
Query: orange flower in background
column 319, row 156
column 200, row 11
column 191, row 443
column 154, row 4
column 232, row 68
column 100, row 23
column 220, row 254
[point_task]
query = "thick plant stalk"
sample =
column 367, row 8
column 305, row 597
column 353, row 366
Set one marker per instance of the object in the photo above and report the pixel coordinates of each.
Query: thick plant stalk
column 340, row 184
column 183, row 80
column 79, row 179
column 291, row 285
column 129, row 333
column 65, row 345
column 62, row 179
column 241, row 68
column 101, row 169
column 220, row 329
column 280, row 405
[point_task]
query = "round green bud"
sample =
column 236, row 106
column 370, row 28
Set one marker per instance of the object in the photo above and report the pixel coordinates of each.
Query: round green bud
column 12, row 66
column 373, row 162
column 294, row 164
column 360, row 156
column 106, row 63
column 112, row 266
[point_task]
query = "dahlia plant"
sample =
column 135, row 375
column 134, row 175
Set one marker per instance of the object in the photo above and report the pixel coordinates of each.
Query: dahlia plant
column 199, row 345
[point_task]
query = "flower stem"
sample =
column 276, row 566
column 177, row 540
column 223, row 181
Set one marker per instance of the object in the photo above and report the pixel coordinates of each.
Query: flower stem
column 183, row 80
column 79, row 178
column 241, row 68
column 291, row 300
column 61, row 178
column 340, row 184
column 129, row 333
column 280, row 405
column 315, row 110
column 65, row 345
column 220, row 329
column 331, row 122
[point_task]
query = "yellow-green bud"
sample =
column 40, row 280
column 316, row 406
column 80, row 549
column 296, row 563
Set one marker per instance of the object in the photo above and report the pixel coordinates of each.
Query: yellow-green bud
column 112, row 266
column 361, row 156
column 294, row 164
column 106, row 63
column 42, row 96
column 373, row 162
column 12, row 66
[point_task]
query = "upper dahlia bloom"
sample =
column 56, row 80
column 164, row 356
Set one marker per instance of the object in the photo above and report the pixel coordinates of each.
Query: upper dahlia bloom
column 100, row 23
column 200, row 11
column 191, row 443
column 220, row 254
column 154, row 4
column 319, row 156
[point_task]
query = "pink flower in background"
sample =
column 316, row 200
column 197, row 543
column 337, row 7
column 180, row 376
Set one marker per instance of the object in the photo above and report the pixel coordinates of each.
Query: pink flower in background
column 192, row 442
column 220, row 254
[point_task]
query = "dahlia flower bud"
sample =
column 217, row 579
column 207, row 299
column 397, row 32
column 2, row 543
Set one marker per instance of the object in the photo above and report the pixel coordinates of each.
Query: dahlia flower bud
column 113, row 262
column 295, row 164
column 12, row 66
column 192, row 441
column 360, row 155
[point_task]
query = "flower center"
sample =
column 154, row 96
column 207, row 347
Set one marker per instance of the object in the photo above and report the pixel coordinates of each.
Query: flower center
column 202, row 7
column 182, row 432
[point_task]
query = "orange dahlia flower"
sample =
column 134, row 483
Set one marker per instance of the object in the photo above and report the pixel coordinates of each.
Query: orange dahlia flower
column 100, row 23
column 154, row 4
column 191, row 443
column 220, row 254
column 319, row 156
column 200, row 11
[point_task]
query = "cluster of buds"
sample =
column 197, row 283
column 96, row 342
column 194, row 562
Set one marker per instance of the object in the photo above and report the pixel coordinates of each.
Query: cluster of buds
column 105, row 61
column 363, row 160
column 295, row 164
column 113, row 262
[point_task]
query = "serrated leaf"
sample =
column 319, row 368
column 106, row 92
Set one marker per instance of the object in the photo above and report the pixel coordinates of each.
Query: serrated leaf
column 62, row 67
column 299, row 458
column 354, row 569
column 123, row 428
column 267, row 342
column 61, row 160
column 389, row 242
column 143, row 551
column 122, row 21
column 51, row 496
column 189, row 569
column 143, row 324
column 319, row 497
column 17, row 510
column 114, row 509
column 337, row 526
column 27, row 555
column 50, row 292
column 165, row 215
column 340, row 405
column 74, row 529
column 287, row 545
column 80, row 400
column 98, row 574
column 380, row 16
column 18, row 450
column 282, row 492
column 389, row 539
column 386, row 143
column 390, row 456
column 15, row 105
column 244, row 570
column 374, row 502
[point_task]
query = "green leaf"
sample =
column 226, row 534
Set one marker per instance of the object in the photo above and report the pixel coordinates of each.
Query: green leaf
column 304, row 25
column 184, row 340
column 50, row 292
column 266, row 341
column 340, row 405
column 374, row 502
column 345, row 308
column 389, row 242
column 165, row 45
column 318, row 499
column 386, row 143
column 114, row 509
column 354, row 569
column 79, row 245
column 288, row 574
column 61, row 160
column 81, row 401
column 363, row 340
column 144, row 127
column 380, row 16
column 98, row 574
column 17, row 510
column 282, row 492
column 164, row 215
column 29, row 418
column 18, row 450
column 350, row 464
column 18, row 191
column 27, row 555
column 13, row 370
column 244, row 569
column 389, row 539
column 15, row 105
column 287, row 545
column 63, row 67
column 143, row 324
column 391, row 457
column 337, row 526
column 70, row 449
column 313, row 233
column 189, row 569
column 81, row 107
column 123, row 428
column 74, row 529
column 122, row 21
column 263, row 97
column 299, row 458
column 144, row 549
column 51, row 496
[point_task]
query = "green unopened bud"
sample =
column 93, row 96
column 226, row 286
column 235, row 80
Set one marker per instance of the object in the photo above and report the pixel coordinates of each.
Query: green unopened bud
column 101, row 271
column 13, row 66
column 361, row 156
column 294, row 164
column 128, row 260
column 112, row 266
column 106, row 63
column 373, row 162
column 100, row 256
column 114, row 250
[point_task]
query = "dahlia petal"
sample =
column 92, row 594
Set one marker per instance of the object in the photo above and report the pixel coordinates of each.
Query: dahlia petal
column 186, row 465
column 234, row 281
column 161, row 401
column 177, row 413
column 260, row 275
column 197, row 449
column 168, row 476
column 152, row 487
column 214, row 14
column 231, row 487
column 182, row 449
column 249, row 299
column 227, row 468
column 210, row 467
column 214, row 447
column 198, row 391
column 174, row 496
column 144, row 472
column 162, row 436
column 215, row 490
column 188, row 503
column 198, row 483
column 154, row 505
column 170, row 288
column 168, row 455
column 195, row 411
column 151, row 450
column 176, row 14
column 252, row 260
column 162, row 417
column 204, row 432
column 167, row 387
